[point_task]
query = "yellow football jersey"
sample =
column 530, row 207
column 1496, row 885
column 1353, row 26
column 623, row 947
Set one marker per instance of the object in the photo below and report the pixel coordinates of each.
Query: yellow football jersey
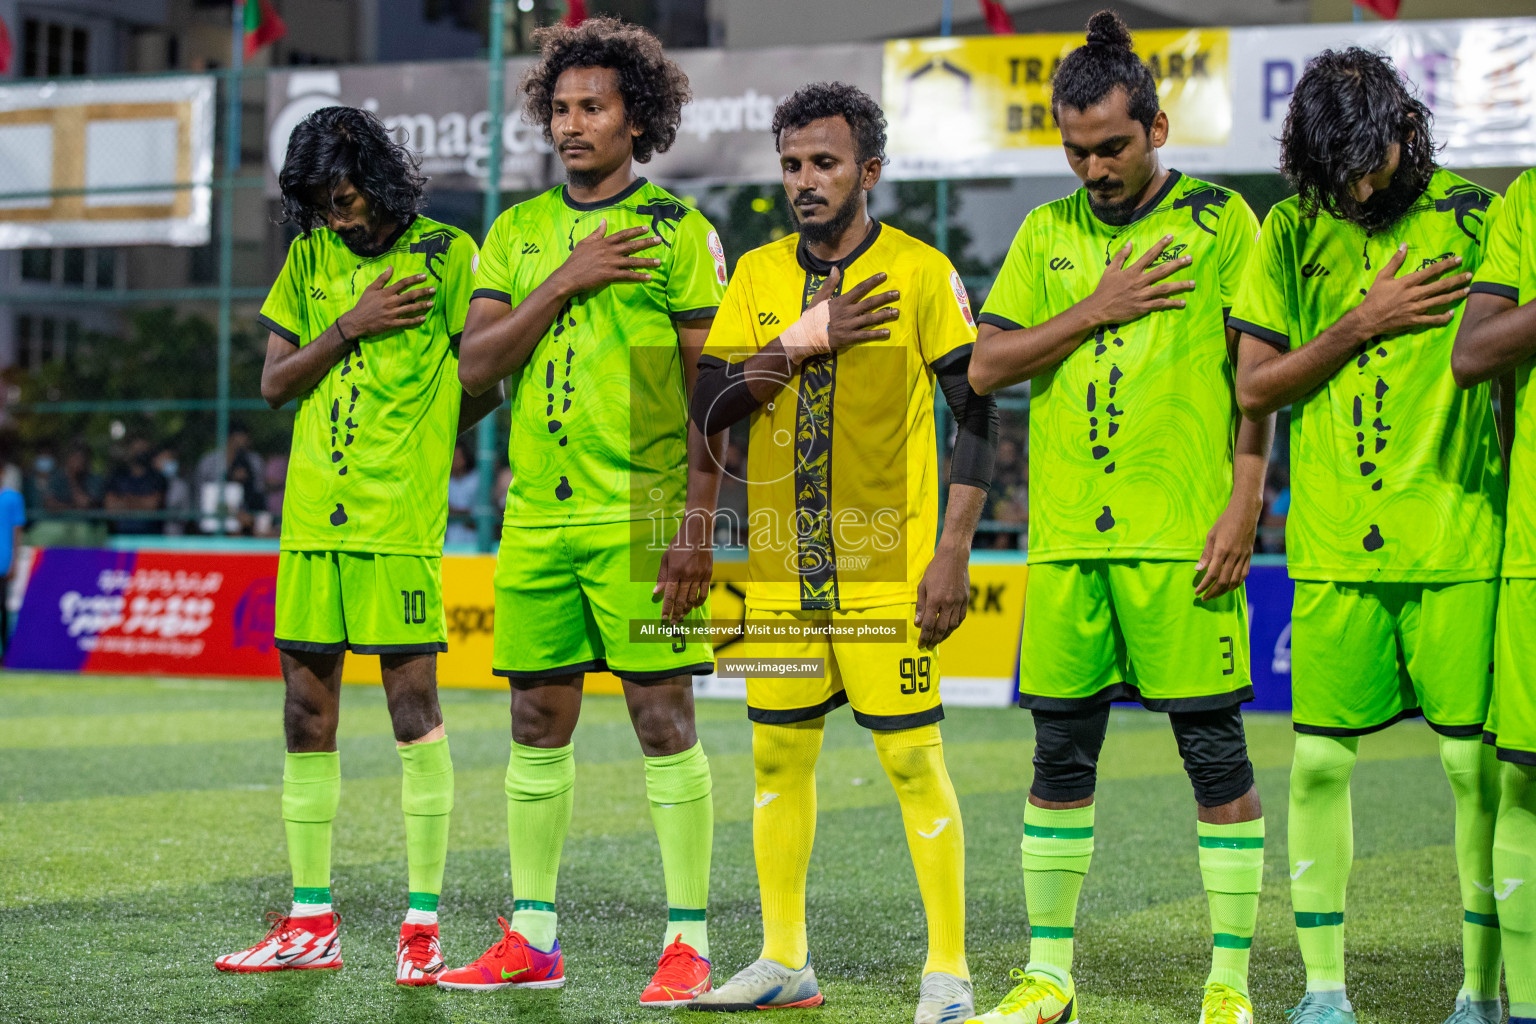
column 842, row 464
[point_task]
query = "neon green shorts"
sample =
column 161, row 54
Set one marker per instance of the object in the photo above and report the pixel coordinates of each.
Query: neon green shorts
column 890, row 685
column 1512, row 712
column 1366, row 655
column 1097, row 631
column 565, row 597
column 332, row 601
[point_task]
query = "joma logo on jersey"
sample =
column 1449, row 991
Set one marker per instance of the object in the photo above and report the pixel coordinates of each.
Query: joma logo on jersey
column 434, row 246
column 1467, row 202
column 1062, row 263
column 1313, row 270
column 1203, row 204
column 767, row 319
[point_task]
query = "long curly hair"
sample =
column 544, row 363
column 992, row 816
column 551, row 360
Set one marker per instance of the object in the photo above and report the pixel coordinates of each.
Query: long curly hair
column 344, row 142
column 1349, row 108
column 1105, row 60
column 835, row 99
column 653, row 87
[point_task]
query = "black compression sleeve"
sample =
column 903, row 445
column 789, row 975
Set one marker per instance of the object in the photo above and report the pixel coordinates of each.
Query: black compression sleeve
column 976, row 418
column 721, row 397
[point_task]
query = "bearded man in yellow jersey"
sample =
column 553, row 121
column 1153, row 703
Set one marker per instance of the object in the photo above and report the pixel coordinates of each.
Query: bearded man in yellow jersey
column 842, row 487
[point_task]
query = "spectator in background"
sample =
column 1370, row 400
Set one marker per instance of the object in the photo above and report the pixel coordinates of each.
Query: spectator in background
column 36, row 486
column 136, row 486
column 1277, row 505
column 275, row 475
column 72, row 486
column 13, row 516
column 731, row 508
column 178, row 495
column 462, row 482
column 1007, row 501
column 239, row 465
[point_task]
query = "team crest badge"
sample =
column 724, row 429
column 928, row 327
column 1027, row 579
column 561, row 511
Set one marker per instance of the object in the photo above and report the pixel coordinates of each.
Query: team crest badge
column 718, row 252
column 958, row 286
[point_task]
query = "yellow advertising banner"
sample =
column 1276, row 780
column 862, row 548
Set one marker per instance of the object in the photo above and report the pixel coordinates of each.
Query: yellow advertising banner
column 985, row 646
column 980, row 105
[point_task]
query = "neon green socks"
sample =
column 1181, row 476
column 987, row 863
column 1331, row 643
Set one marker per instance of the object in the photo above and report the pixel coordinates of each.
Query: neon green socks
column 426, row 797
column 1232, row 867
column 540, row 785
column 1321, row 847
column 1058, row 847
column 1514, row 885
column 1472, row 768
column 311, row 793
column 683, row 811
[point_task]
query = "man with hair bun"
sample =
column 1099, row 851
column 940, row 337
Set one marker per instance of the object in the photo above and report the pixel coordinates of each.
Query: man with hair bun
column 1145, row 491
column 595, row 299
column 812, row 345
column 363, row 330
column 1397, row 515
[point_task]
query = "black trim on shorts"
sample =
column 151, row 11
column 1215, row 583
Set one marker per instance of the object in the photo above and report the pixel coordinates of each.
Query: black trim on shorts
column 491, row 293
column 1503, row 291
column 1456, row 731
column 998, row 321
column 702, row 313
column 1336, row 730
column 310, row 646
column 1274, row 339
column 892, row 723
column 1126, row 692
column 529, row 680
column 789, row 716
column 278, row 329
column 1510, row 754
column 703, row 668
column 436, row 647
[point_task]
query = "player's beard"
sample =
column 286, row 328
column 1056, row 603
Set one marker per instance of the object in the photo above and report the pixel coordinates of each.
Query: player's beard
column 363, row 239
column 820, row 232
column 589, row 178
column 1384, row 208
column 1116, row 214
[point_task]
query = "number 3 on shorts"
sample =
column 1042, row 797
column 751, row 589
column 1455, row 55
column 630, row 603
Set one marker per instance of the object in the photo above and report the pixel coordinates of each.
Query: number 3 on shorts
column 915, row 674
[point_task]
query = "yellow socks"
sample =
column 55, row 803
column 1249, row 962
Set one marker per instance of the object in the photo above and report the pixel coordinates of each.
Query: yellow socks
column 783, row 829
column 913, row 760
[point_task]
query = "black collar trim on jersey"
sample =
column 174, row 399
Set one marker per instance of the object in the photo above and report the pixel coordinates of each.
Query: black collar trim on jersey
column 820, row 267
column 399, row 234
column 1153, row 203
column 598, row 204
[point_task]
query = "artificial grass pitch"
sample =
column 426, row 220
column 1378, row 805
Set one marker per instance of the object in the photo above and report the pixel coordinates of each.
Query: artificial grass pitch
column 140, row 837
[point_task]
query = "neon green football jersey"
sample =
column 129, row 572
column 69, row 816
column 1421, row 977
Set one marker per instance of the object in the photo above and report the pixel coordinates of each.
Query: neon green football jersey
column 600, row 410
column 373, row 442
column 1395, row 471
column 1509, row 269
column 1131, row 436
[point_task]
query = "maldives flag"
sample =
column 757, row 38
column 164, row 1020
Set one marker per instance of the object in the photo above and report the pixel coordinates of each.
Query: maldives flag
column 262, row 25
column 6, row 50
column 997, row 17
column 1385, row 8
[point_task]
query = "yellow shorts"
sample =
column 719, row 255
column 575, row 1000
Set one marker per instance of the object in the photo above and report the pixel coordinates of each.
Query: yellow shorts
column 891, row 685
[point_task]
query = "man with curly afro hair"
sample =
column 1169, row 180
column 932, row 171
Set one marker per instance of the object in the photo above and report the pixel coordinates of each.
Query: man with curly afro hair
column 811, row 344
column 595, row 299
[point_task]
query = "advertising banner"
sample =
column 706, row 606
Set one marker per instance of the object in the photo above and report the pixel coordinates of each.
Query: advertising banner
column 126, row 162
column 1478, row 77
column 211, row 614
column 980, row 106
column 438, row 109
column 147, row 613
